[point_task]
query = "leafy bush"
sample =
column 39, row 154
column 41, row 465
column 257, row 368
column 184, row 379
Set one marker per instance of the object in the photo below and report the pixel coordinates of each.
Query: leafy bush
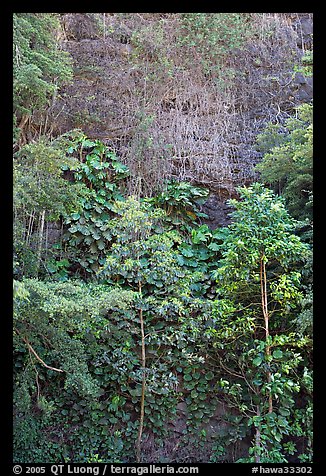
column 214, row 36
column 259, row 294
column 39, row 65
column 287, row 160
column 41, row 194
column 181, row 201
column 37, row 57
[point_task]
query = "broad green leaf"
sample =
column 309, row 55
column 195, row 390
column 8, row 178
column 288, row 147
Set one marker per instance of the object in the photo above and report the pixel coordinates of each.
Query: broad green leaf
column 257, row 361
column 277, row 354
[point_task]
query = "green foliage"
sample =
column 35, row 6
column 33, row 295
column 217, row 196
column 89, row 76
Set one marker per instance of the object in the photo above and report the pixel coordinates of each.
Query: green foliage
column 306, row 66
column 181, row 201
column 140, row 40
column 103, row 330
column 287, row 160
column 144, row 260
column 214, row 36
column 199, row 253
column 39, row 65
column 104, row 175
column 263, row 217
column 39, row 183
column 262, row 368
column 221, row 31
column 40, row 192
column 58, row 320
column 141, row 254
column 199, row 352
column 155, row 279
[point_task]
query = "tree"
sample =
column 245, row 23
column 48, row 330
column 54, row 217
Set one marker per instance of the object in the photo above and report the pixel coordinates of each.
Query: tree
column 39, row 65
column 255, row 336
column 143, row 260
column 288, row 160
column 52, row 372
column 41, row 195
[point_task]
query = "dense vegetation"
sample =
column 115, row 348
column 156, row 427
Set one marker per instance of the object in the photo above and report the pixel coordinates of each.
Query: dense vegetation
column 141, row 334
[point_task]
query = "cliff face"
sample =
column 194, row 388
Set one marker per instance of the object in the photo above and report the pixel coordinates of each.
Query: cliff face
column 150, row 98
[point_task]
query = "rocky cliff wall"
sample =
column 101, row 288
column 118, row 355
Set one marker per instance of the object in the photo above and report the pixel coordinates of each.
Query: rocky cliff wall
column 162, row 113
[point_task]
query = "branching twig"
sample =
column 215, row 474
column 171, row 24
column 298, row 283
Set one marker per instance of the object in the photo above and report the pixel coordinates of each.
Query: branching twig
column 30, row 348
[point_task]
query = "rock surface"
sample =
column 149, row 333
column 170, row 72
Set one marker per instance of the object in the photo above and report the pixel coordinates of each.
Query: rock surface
column 181, row 126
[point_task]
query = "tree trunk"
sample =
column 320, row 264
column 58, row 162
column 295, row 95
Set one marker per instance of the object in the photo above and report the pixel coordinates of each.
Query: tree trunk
column 263, row 289
column 142, row 400
column 30, row 227
column 22, row 126
column 257, row 437
column 40, row 243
